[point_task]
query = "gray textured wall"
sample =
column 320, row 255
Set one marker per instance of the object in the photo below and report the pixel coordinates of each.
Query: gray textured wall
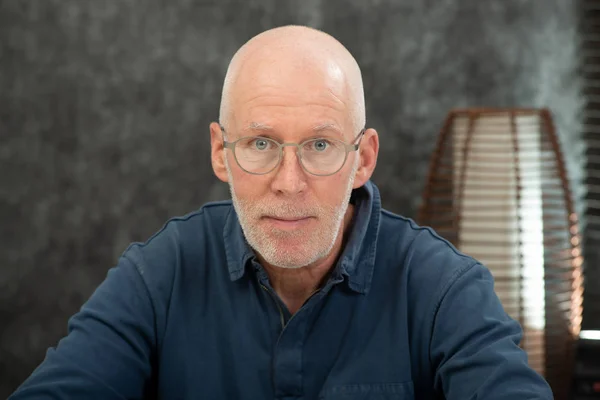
column 104, row 110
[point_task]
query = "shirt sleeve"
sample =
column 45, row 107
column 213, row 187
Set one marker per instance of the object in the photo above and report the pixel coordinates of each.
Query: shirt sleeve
column 475, row 344
column 108, row 350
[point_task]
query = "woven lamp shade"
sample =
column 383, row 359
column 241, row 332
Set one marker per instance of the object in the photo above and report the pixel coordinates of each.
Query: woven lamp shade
column 497, row 189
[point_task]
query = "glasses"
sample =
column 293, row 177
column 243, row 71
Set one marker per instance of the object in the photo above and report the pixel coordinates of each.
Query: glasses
column 259, row 155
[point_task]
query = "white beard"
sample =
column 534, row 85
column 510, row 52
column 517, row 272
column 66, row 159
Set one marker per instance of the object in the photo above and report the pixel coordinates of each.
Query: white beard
column 308, row 246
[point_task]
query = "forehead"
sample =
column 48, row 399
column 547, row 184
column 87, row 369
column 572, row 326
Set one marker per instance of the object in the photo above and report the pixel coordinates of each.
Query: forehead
column 328, row 129
column 291, row 97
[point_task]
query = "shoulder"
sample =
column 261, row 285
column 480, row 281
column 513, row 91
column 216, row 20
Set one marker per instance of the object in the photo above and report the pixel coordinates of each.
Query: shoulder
column 176, row 256
column 426, row 260
column 179, row 240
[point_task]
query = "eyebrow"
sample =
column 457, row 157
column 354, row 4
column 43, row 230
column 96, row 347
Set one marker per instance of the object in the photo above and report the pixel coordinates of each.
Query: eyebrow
column 257, row 126
column 327, row 126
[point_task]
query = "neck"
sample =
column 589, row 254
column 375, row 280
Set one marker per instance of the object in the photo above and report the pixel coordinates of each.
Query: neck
column 295, row 285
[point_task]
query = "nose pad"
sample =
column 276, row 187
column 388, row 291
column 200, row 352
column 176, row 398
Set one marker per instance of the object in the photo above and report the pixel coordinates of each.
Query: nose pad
column 296, row 151
column 289, row 178
column 296, row 164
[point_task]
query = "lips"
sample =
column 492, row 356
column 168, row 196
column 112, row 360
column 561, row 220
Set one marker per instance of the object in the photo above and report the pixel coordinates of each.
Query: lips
column 287, row 223
column 286, row 219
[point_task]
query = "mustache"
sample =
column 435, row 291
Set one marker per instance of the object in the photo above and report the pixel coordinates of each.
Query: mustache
column 282, row 210
column 287, row 211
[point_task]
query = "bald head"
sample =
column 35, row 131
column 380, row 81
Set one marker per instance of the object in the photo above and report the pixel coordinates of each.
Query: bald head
column 294, row 62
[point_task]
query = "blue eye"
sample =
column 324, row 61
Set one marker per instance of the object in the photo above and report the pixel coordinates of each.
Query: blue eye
column 320, row 145
column 261, row 144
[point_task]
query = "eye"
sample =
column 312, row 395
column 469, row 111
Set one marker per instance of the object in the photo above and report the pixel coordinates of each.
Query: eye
column 261, row 144
column 320, row 145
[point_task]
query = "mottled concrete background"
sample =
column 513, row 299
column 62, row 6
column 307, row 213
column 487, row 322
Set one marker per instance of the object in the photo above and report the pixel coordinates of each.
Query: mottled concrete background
column 105, row 106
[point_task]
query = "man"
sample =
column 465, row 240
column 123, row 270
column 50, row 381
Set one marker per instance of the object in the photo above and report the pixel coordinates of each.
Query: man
column 302, row 287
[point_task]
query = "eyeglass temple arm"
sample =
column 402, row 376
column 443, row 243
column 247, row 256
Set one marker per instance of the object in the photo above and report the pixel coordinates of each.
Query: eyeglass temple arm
column 226, row 144
column 354, row 146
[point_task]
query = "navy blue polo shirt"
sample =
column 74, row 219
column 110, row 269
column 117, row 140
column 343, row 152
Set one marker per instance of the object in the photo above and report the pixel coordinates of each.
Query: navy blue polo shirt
column 190, row 314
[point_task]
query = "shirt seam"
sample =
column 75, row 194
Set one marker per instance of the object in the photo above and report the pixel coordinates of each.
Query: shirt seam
column 238, row 269
column 455, row 277
column 183, row 218
column 138, row 270
column 417, row 228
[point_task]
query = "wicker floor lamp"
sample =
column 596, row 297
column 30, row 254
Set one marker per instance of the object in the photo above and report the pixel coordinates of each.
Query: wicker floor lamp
column 497, row 189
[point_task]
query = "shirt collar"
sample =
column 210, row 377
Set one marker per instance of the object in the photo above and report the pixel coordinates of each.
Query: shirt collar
column 358, row 256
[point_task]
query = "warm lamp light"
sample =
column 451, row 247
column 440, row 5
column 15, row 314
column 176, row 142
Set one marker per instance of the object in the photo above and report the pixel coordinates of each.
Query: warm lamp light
column 497, row 189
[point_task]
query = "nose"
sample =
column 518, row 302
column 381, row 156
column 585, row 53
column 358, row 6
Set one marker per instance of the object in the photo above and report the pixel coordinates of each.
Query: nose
column 290, row 177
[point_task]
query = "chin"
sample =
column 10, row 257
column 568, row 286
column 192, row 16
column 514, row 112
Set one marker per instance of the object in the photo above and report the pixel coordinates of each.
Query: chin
column 291, row 261
column 290, row 249
column 296, row 253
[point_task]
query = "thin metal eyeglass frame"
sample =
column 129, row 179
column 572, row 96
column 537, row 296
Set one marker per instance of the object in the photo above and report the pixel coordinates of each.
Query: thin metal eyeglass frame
column 349, row 147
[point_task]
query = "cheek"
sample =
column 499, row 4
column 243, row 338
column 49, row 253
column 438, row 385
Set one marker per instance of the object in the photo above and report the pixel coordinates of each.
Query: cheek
column 248, row 187
column 331, row 192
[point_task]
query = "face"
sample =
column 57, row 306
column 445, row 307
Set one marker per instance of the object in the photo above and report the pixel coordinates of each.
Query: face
column 291, row 233
column 290, row 217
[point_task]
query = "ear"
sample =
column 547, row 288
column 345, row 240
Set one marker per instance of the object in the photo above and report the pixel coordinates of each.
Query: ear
column 217, row 152
column 368, row 152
